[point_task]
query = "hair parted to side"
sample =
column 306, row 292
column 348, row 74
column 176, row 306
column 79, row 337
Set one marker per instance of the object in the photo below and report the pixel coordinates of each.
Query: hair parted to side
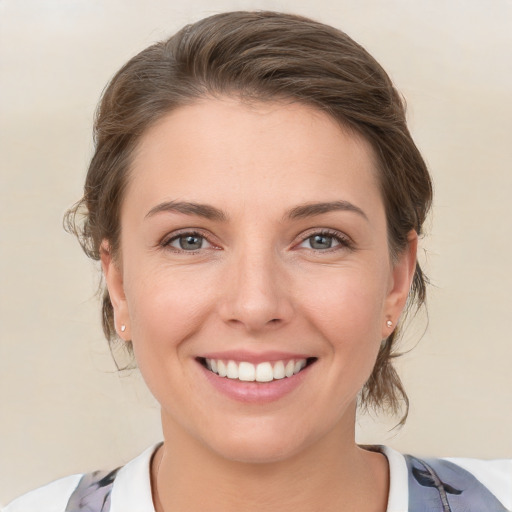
column 260, row 56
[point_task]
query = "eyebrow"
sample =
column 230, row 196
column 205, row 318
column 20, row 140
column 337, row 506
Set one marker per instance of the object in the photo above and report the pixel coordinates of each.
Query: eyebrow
column 212, row 213
column 312, row 209
column 201, row 210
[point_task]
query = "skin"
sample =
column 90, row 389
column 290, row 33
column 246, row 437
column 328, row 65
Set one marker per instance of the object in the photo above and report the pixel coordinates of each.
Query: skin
column 257, row 284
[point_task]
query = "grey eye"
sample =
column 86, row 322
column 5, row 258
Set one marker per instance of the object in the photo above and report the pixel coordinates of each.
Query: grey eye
column 189, row 242
column 320, row 242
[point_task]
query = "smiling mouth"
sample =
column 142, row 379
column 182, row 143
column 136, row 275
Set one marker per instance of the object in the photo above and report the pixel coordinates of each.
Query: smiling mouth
column 261, row 372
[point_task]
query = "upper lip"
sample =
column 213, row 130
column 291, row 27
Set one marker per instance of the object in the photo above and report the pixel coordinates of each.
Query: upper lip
column 254, row 357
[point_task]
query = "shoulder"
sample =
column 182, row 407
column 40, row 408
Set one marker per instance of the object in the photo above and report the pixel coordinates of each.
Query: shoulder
column 460, row 484
column 52, row 497
column 419, row 484
column 86, row 492
column 125, row 489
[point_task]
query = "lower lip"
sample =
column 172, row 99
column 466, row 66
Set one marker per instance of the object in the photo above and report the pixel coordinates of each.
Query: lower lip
column 255, row 392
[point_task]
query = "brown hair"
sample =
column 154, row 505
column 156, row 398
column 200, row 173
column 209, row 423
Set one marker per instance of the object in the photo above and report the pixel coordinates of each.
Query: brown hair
column 260, row 56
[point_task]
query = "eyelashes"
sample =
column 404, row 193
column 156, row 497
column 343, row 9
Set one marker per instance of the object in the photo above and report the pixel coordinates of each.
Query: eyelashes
column 314, row 240
column 188, row 242
column 326, row 240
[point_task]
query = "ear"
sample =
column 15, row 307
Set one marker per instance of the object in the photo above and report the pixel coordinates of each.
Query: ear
column 114, row 280
column 402, row 276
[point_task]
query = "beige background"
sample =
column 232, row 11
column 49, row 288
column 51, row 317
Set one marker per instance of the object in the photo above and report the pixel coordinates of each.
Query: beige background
column 63, row 407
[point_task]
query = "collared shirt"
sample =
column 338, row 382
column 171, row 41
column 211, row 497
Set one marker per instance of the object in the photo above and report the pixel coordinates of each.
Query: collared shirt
column 416, row 485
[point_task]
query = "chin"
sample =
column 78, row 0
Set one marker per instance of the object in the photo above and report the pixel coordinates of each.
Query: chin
column 249, row 453
column 260, row 445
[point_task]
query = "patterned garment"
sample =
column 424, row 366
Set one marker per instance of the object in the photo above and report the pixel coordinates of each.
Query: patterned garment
column 93, row 492
column 439, row 485
column 435, row 485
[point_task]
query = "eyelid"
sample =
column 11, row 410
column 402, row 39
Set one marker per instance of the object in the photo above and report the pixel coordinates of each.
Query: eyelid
column 345, row 242
column 166, row 241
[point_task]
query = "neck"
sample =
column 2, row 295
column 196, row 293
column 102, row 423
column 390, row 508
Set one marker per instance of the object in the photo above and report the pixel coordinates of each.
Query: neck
column 333, row 474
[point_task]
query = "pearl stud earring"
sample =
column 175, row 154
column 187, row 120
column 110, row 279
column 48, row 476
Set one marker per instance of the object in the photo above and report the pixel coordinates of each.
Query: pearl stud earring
column 389, row 323
column 123, row 328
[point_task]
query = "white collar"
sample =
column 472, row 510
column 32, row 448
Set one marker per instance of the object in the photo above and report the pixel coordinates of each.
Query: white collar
column 132, row 486
column 131, row 491
column 398, row 499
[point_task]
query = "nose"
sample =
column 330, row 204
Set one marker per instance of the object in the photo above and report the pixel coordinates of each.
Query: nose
column 256, row 296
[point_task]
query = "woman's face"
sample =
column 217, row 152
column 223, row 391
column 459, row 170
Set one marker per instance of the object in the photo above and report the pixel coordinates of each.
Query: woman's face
column 253, row 241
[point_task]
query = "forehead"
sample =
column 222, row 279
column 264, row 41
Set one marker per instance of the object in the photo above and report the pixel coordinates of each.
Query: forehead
column 226, row 151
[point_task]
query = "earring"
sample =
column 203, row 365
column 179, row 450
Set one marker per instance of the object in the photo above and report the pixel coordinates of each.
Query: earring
column 389, row 323
column 123, row 328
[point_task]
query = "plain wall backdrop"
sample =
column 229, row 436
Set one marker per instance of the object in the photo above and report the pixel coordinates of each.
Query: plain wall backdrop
column 64, row 408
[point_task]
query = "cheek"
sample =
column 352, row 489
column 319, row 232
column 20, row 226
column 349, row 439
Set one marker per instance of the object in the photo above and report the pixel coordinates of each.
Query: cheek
column 349, row 306
column 166, row 307
column 348, row 314
column 167, row 310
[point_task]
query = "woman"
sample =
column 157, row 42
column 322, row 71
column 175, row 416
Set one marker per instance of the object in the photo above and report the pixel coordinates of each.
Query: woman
column 255, row 199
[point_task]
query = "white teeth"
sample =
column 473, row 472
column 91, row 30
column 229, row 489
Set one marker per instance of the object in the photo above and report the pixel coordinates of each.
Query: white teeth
column 264, row 372
column 279, row 370
column 232, row 370
column 299, row 365
column 248, row 372
column 221, row 369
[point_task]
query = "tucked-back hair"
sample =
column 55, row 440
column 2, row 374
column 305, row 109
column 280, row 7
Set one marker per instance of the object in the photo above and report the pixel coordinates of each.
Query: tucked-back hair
column 260, row 56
